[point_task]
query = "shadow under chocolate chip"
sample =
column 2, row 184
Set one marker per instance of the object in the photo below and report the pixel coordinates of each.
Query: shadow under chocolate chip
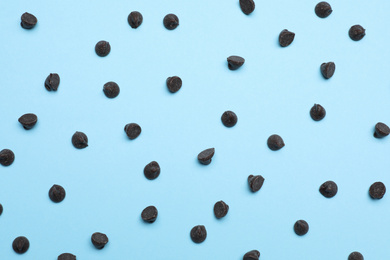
column 152, row 170
column 21, row 245
column 247, row 6
column 235, row 62
column 102, row 48
column 28, row 121
column 381, row 130
column 28, row 21
column 79, row 140
column 205, row 156
column 52, row 82
column 66, row 256
column 275, row 142
column 135, row 19
column 377, row 190
column 329, row 189
column 252, row 255
column 286, row 38
column 171, row 21
column 57, row 193
column 7, row 157
column 198, row 234
column 317, row 112
column 149, row 214
column 99, row 240
column 301, row 227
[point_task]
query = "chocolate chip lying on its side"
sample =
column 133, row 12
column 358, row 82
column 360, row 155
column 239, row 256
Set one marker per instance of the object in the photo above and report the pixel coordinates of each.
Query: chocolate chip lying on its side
column 99, row 240
column 174, row 84
column 329, row 189
column 152, row 170
column 381, row 130
column 301, row 227
column 317, row 112
column 247, row 6
column 220, row 209
column 355, row 256
column 323, row 9
column 28, row 21
column 255, row 182
column 52, row 82
column 132, row 130
column 286, row 38
column 252, row 255
column 79, row 140
column 66, row 256
column 357, row 32
column 149, row 214
column 235, row 62
column 7, row 157
column 198, row 234
column 102, row 48
column 57, row 193
column 111, row 89
column 327, row 69
column 205, row 156
column 377, row 190
column 171, row 21
column 21, row 245
column 275, row 142
column 135, row 19
column 28, row 121
column 229, row 119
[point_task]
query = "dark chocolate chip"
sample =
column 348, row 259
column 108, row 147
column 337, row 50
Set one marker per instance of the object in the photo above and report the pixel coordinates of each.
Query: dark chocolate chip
column 357, row 32
column 301, row 227
column 275, row 142
column 7, row 157
column 28, row 121
column 323, row 9
column 174, row 84
column 66, row 256
column 381, row 130
column 235, row 62
column 1, row 209
column 28, row 21
column 111, row 89
column 79, row 140
column 102, row 48
column 286, row 38
column 57, row 193
column 252, row 255
column 21, row 245
column 377, row 190
column 255, row 182
column 327, row 69
column 205, row 156
column 220, row 209
column 198, row 234
column 99, row 240
column 149, row 214
column 171, row 21
column 135, row 19
column 152, row 170
column 355, row 256
column 229, row 119
column 317, row 112
column 52, row 82
column 247, row 6
column 329, row 189
column 132, row 130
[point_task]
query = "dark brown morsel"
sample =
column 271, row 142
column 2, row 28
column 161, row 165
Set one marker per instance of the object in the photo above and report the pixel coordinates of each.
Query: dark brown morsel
column 52, row 82
column 286, row 38
column 205, row 156
column 198, row 234
column 301, row 227
column 275, row 142
column 329, row 189
column 357, row 32
column 229, row 119
column 132, row 130
column 247, row 6
column 1, row 209
column 381, row 130
column 99, row 240
column 135, row 19
column 174, row 84
column 102, row 48
column 327, row 69
column 152, row 170
column 377, row 190
column 255, row 182
column 28, row 121
column 323, row 9
column 79, row 140
column 171, row 21
column 220, row 209
column 252, row 255
column 28, row 21
column 21, row 245
column 149, row 214
column 7, row 157
column 111, row 89
column 355, row 256
column 66, row 256
column 235, row 62
column 57, row 193
column 317, row 112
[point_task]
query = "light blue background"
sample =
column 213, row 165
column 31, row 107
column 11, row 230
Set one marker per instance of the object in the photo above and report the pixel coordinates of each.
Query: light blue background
column 272, row 93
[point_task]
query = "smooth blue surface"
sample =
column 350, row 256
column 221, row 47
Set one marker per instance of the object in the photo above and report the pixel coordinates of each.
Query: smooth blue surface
column 272, row 93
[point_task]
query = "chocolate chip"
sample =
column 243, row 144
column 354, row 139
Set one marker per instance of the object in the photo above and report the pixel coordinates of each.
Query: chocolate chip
column 381, row 130
column 99, row 240
column 171, row 21
column 355, row 256
column 152, row 170
column 286, row 38
column 149, row 214
column 135, row 19
column 357, row 32
column 328, row 189
column 21, row 245
column 252, row 255
column 235, row 62
column 102, row 48
column 1, row 209
column 198, row 234
column 66, row 256
column 111, row 89
column 205, row 156
column 247, row 6
column 220, row 209
column 317, row 112
column 275, row 142
column 79, row 140
column 174, row 84
column 327, row 69
column 52, row 82
column 229, row 119
column 323, row 9
column 255, row 182
column 132, row 130
column 28, row 121
column 7, row 157
column 28, row 21
column 57, row 193
column 301, row 227
column 377, row 190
